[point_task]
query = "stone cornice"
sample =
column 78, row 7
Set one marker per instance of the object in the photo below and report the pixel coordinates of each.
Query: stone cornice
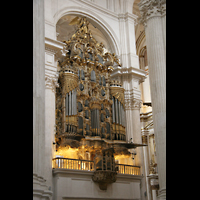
column 54, row 47
column 136, row 73
column 127, row 15
column 54, row 44
column 151, row 8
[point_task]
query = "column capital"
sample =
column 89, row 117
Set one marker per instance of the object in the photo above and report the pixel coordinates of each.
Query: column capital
column 51, row 82
column 154, row 184
column 137, row 103
column 132, row 103
column 151, row 8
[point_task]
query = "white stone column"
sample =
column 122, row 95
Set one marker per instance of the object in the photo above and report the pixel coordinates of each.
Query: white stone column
column 50, row 83
column 130, row 79
column 52, row 53
column 154, row 187
column 146, row 161
column 40, row 190
column 152, row 16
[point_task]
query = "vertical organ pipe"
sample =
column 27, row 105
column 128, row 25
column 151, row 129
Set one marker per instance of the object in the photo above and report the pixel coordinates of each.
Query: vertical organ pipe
column 66, row 110
column 70, row 100
column 95, row 122
column 120, row 114
column 98, row 123
column 63, row 115
column 74, row 103
column 116, row 110
column 116, row 120
column 92, row 118
column 122, row 117
column 75, row 107
column 113, row 110
column 66, row 104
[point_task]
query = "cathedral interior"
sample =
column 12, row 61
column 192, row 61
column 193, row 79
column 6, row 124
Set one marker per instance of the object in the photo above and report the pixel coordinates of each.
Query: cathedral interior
column 98, row 122
column 90, row 118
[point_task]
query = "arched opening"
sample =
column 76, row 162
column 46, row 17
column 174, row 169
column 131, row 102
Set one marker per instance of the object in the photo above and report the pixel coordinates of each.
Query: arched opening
column 64, row 31
column 100, row 28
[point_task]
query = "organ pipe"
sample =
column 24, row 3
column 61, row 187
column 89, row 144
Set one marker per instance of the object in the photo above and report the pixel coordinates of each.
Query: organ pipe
column 119, row 111
column 122, row 115
column 70, row 101
column 67, row 104
column 116, row 110
column 75, row 106
column 84, row 84
column 98, row 123
column 113, row 109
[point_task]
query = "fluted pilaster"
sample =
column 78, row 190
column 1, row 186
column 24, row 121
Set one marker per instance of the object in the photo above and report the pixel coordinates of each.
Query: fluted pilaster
column 40, row 190
column 38, row 83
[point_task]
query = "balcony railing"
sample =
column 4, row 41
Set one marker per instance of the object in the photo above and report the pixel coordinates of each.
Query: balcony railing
column 68, row 163
column 128, row 169
column 87, row 165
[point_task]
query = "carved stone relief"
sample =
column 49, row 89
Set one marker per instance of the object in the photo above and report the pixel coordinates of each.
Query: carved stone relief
column 51, row 82
column 151, row 8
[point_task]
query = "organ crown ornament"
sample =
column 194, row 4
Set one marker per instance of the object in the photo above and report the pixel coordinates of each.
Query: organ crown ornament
column 90, row 111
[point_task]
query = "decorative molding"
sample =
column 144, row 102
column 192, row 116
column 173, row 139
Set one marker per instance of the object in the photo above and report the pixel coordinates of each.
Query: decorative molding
column 135, row 72
column 137, row 103
column 151, row 8
column 127, row 15
column 154, row 184
column 55, row 47
column 40, row 188
column 144, row 132
column 51, row 82
column 162, row 193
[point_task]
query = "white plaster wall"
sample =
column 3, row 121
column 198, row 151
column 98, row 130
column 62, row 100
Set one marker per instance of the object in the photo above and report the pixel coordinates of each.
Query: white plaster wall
column 70, row 184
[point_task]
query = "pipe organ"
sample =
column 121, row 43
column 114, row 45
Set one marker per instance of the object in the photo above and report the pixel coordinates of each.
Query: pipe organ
column 92, row 106
column 90, row 109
